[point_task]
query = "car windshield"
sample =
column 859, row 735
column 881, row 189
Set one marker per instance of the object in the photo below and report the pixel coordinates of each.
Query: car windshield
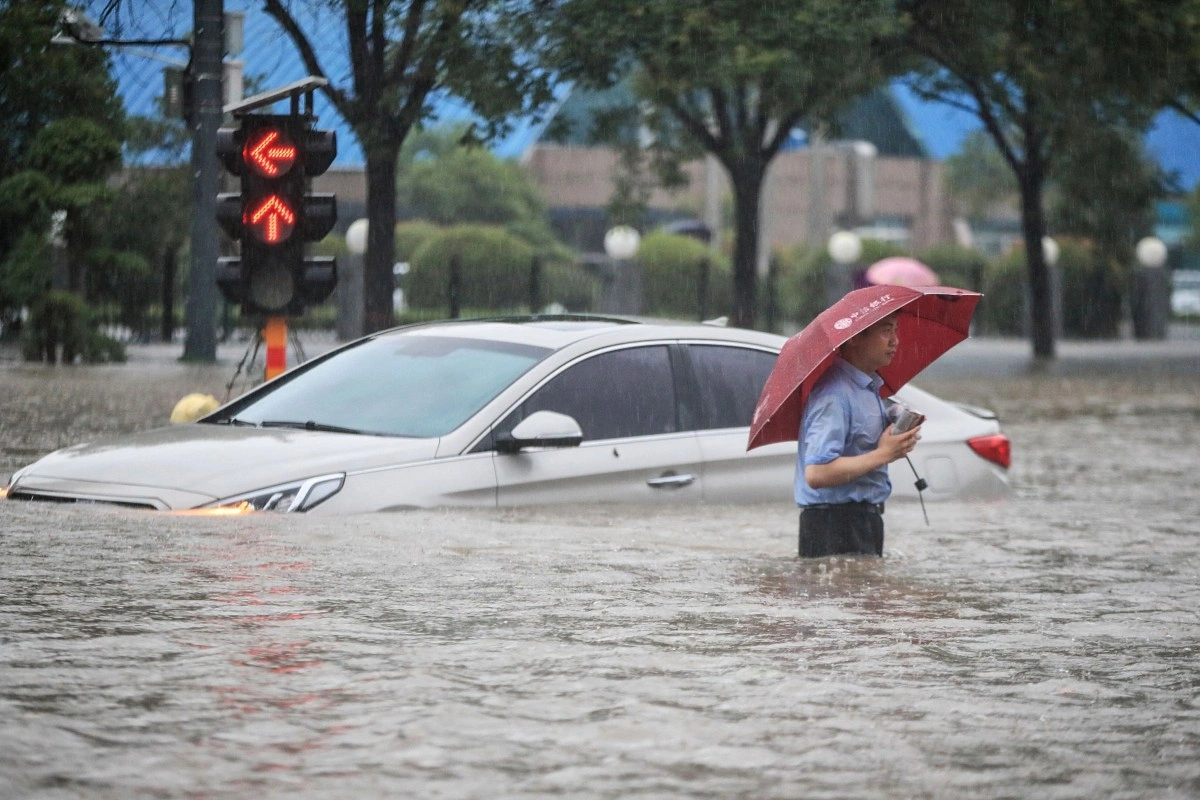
column 409, row 385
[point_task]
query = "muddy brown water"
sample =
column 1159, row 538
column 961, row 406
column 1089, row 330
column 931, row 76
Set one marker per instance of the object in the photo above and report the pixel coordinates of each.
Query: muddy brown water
column 1043, row 646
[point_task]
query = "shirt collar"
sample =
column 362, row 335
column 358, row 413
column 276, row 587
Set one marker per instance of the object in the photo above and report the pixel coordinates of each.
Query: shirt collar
column 860, row 379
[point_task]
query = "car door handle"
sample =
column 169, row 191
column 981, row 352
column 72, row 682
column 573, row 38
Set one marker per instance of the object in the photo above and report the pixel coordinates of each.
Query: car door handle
column 670, row 481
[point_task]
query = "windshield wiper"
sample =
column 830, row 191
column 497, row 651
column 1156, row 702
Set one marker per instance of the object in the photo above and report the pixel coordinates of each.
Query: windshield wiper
column 310, row 425
column 234, row 421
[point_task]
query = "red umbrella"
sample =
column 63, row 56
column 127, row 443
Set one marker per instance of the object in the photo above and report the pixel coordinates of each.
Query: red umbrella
column 931, row 320
column 901, row 271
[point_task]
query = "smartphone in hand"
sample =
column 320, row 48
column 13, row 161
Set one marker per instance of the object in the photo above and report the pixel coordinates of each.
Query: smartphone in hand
column 906, row 420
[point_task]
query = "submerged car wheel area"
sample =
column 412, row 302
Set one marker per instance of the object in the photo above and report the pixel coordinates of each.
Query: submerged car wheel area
column 498, row 413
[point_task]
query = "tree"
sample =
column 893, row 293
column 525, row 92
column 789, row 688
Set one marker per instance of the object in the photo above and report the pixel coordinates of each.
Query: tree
column 403, row 55
column 43, row 85
column 735, row 78
column 456, row 183
column 1041, row 75
column 978, row 178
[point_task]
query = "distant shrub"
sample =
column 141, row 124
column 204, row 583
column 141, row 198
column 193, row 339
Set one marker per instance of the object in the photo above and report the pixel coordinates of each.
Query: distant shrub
column 61, row 327
column 955, row 265
column 672, row 273
column 802, row 279
column 411, row 234
column 495, row 272
column 1093, row 291
column 1002, row 310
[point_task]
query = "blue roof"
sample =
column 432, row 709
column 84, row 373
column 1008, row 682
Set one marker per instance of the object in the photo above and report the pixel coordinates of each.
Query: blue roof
column 272, row 61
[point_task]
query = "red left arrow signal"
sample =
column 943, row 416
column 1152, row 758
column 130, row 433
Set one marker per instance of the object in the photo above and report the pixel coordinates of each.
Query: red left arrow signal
column 270, row 153
column 272, row 220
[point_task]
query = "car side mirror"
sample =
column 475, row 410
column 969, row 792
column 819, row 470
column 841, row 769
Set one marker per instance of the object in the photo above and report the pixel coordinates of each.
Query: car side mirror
column 541, row 429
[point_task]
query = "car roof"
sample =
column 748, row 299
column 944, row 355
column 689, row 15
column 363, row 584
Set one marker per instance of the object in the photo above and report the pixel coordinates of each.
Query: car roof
column 562, row 330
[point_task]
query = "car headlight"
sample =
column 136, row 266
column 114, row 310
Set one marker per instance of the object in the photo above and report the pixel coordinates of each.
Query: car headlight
column 295, row 496
column 11, row 482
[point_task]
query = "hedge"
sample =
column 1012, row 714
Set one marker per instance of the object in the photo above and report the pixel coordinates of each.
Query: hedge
column 495, row 271
column 672, row 272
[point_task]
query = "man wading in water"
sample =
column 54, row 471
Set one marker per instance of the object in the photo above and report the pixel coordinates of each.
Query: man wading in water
column 846, row 443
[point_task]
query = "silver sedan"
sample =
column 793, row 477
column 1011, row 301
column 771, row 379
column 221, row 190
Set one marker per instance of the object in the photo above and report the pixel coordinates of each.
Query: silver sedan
column 498, row 413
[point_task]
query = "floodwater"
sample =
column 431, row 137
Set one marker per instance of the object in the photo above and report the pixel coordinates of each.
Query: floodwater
column 1044, row 646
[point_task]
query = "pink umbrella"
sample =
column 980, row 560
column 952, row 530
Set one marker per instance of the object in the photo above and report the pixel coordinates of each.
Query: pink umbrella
column 901, row 271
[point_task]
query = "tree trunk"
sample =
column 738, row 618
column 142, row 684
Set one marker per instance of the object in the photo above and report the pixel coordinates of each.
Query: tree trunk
column 378, row 282
column 1041, row 299
column 747, row 191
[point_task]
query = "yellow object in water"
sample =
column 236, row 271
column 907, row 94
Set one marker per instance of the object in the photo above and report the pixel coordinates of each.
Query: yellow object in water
column 193, row 406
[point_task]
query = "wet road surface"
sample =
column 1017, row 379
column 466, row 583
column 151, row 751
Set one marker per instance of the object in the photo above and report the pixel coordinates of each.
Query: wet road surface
column 1045, row 646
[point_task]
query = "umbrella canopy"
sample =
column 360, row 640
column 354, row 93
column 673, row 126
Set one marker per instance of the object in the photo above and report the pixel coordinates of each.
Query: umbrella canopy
column 930, row 320
column 901, row 271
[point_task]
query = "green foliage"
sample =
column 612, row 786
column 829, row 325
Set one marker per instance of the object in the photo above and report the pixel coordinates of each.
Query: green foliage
column 1093, row 291
column 74, row 151
column 60, row 327
column 24, row 274
column 802, row 285
column 494, row 270
column 1052, row 81
column 445, row 183
column 1002, row 311
column 44, row 83
column 411, row 234
column 958, row 266
column 978, row 178
column 672, row 272
column 469, row 185
column 126, row 279
column 1112, row 207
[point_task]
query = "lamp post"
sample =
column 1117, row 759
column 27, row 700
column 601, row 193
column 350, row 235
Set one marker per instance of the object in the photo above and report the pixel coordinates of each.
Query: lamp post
column 1050, row 254
column 1150, row 305
column 350, row 284
column 625, row 291
column 845, row 248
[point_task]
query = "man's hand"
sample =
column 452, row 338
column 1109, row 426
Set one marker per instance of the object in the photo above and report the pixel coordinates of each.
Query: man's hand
column 841, row 470
column 894, row 446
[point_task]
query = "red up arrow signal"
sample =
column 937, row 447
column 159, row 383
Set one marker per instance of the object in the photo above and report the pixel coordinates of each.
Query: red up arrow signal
column 270, row 154
column 271, row 220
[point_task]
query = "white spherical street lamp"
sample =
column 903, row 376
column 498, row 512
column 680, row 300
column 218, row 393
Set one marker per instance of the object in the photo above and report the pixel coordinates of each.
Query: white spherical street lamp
column 621, row 242
column 845, row 247
column 356, row 236
column 1151, row 252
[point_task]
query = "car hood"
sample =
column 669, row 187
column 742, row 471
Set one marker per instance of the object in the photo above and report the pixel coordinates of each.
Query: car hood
column 185, row 466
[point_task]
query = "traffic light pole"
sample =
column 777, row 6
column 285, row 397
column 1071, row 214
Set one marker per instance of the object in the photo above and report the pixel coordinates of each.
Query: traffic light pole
column 274, row 334
column 207, row 69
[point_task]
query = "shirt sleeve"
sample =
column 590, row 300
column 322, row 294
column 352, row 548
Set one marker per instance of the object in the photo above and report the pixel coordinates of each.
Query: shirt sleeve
column 825, row 431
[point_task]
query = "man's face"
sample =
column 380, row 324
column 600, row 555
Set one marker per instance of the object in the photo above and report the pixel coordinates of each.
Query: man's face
column 873, row 348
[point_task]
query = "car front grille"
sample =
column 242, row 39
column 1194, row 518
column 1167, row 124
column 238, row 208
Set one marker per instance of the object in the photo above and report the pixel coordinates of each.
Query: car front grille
column 48, row 498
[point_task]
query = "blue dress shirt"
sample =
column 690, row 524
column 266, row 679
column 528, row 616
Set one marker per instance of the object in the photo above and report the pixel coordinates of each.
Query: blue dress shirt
column 844, row 417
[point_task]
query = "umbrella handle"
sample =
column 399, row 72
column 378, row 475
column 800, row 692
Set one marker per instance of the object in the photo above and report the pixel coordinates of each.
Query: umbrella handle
column 921, row 487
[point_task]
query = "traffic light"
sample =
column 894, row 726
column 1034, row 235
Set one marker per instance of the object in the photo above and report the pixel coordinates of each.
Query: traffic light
column 273, row 215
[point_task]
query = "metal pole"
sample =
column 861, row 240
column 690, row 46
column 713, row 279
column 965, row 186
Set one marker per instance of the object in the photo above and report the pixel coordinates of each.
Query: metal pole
column 207, row 97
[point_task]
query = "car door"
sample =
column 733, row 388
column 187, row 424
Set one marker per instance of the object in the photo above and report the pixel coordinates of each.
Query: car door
column 634, row 449
column 727, row 381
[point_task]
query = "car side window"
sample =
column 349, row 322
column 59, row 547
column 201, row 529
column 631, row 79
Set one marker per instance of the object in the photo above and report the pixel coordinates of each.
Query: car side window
column 729, row 381
column 612, row 395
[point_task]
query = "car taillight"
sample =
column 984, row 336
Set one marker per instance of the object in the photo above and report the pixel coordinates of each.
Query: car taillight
column 995, row 448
